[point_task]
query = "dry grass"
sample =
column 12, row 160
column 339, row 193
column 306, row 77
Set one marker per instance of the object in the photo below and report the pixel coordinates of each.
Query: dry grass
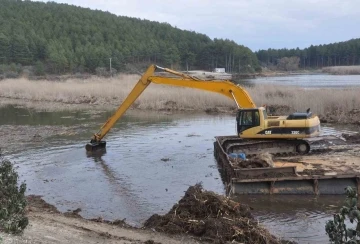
column 110, row 92
column 342, row 70
column 336, row 104
column 100, row 91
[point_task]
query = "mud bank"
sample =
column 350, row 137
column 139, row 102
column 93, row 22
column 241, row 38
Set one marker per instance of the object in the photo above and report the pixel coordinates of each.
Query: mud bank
column 331, row 117
column 47, row 225
column 200, row 216
column 16, row 138
column 107, row 94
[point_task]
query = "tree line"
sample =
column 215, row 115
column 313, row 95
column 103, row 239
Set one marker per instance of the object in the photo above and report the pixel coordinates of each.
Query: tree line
column 61, row 38
column 334, row 54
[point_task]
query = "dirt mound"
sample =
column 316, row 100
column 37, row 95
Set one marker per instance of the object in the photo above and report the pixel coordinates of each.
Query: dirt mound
column 249, row 163
column 354, row 138
column 263, row 160
column 211, row 217
column 267, row 157
column 338, row 115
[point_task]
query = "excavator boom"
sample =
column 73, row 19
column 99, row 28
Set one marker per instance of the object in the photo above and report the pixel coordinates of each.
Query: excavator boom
column 226, row 88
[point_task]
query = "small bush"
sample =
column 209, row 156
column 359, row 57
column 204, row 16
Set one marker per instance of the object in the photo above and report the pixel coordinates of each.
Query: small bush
column 9, row 71
column 113, row 72
column 337, row 230
column 12, row 200
column 288, row 64
column 11, row 75
column 101, row 71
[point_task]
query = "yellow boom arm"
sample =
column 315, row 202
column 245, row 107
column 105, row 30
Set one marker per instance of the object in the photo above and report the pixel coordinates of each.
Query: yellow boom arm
column 226, row 88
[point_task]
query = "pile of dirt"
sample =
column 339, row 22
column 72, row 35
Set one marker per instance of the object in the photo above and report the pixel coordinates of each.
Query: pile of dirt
column 263, row 160
column 341, row 116
column 212, row 218
column 248, row 163
column 354, row 138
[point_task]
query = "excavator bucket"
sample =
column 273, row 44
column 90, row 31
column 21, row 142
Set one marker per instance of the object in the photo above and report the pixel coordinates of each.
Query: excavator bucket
column 94, row 146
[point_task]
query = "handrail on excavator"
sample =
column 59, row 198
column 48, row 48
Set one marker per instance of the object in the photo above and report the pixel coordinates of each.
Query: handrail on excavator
column 224, row 87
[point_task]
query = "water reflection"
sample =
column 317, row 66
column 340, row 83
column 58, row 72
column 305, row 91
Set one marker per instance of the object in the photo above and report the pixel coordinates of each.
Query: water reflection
column 96, row 155
column 121, row 186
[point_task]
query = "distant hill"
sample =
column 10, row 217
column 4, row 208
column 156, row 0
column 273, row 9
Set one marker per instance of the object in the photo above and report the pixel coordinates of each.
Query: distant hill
column 60, row 38
column 334, row 54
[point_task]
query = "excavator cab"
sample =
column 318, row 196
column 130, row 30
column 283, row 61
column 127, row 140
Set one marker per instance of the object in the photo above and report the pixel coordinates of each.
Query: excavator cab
column 246, row 119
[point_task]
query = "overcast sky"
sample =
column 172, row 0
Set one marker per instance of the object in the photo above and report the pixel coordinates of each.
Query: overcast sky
column 257, row 24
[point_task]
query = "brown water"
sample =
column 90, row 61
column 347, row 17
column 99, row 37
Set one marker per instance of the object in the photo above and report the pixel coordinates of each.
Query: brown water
column 130, row 180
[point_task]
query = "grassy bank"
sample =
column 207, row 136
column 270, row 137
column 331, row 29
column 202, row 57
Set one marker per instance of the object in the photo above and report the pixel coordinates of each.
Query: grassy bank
column 335, row 104
column 342, row 70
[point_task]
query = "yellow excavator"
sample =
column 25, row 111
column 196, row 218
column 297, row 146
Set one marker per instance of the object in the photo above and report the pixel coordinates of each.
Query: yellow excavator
column 254, row 125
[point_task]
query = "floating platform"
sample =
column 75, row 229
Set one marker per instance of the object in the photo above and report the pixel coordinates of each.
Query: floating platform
column 327, row 172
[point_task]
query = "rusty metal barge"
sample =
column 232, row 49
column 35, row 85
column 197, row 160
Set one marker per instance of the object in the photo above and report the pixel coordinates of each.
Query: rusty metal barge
column 327, row 171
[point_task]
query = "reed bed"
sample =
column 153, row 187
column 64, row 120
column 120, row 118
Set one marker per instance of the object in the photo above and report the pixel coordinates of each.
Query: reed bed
column 111, row 92
column 100, row 91
column 342, row 70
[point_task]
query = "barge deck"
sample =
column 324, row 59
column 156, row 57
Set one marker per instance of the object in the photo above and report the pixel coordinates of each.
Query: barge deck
column 325, row 171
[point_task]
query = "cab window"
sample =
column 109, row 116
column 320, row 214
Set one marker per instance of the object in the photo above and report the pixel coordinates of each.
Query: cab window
column 248, row 119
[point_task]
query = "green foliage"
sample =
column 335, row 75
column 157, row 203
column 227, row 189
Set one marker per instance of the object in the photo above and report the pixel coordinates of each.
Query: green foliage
column 337, row 230
column 73, row 39
column 12, row 200
column 4, row 48
column 10, row 71
column 39, row 68
column 341, row 53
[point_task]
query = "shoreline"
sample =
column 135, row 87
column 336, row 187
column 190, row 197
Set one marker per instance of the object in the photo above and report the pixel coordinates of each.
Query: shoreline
column 48, row 225
column 351, row 117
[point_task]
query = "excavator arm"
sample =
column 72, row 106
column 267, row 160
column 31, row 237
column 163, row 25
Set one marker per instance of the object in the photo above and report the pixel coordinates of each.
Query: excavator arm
column 226, row 88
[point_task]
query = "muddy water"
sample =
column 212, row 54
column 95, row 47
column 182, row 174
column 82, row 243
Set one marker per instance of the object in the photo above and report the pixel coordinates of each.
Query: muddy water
column 151, row 159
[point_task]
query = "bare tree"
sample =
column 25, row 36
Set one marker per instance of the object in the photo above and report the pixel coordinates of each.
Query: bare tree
column 288, row 64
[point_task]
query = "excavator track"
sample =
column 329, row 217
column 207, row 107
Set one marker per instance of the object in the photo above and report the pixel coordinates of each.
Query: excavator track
column 277, row 147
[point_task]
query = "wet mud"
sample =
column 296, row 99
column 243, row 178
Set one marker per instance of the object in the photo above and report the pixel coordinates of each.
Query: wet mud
column 16, row 138
column 48, row 225
column 36, row 203
column 353, row 138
